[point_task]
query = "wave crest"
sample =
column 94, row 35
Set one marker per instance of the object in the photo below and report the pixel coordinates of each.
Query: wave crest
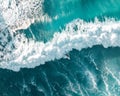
column 77, row 35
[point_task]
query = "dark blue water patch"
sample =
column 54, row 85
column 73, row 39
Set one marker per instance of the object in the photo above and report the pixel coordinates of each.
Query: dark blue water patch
column 63, row 77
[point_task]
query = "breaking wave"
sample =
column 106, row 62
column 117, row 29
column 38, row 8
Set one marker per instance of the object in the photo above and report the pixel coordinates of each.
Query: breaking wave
column 17, row 51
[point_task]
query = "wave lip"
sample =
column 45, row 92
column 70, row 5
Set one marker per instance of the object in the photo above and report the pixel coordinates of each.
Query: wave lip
column 77, row 35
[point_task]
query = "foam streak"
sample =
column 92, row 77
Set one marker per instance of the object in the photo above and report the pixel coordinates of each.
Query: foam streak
column 77, row 35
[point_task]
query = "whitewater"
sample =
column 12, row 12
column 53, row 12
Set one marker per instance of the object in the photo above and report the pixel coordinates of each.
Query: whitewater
column 23, row 52
column 60, row 47
column 20, row 14
column 17, row 51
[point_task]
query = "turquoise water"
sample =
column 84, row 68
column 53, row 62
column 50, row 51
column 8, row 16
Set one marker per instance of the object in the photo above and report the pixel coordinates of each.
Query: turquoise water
column 92, row 71
column 69, row 10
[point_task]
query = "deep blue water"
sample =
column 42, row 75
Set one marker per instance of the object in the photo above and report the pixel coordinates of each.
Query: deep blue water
column 67, row 77
column 90, row 72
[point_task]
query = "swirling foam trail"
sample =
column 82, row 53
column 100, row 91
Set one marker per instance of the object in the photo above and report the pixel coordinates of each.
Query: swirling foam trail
column 19, row 14
column 77, row 35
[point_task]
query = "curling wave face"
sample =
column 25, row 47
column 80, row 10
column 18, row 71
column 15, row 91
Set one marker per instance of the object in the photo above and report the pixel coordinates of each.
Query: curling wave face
column 22, row 52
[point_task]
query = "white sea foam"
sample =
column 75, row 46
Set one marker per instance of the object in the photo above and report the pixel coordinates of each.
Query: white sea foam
column 77, row 35
column 20, row 14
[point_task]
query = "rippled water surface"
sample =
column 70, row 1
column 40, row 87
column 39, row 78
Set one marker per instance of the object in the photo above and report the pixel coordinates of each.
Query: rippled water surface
column 59, row 48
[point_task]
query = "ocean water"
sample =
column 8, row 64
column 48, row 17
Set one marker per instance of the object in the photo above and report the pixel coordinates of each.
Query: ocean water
column 60, row 47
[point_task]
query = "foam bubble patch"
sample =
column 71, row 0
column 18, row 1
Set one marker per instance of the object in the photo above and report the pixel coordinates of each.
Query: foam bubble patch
column 20, row 14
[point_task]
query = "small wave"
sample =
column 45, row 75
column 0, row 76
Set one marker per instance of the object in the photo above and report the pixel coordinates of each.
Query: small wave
column 24, row 53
